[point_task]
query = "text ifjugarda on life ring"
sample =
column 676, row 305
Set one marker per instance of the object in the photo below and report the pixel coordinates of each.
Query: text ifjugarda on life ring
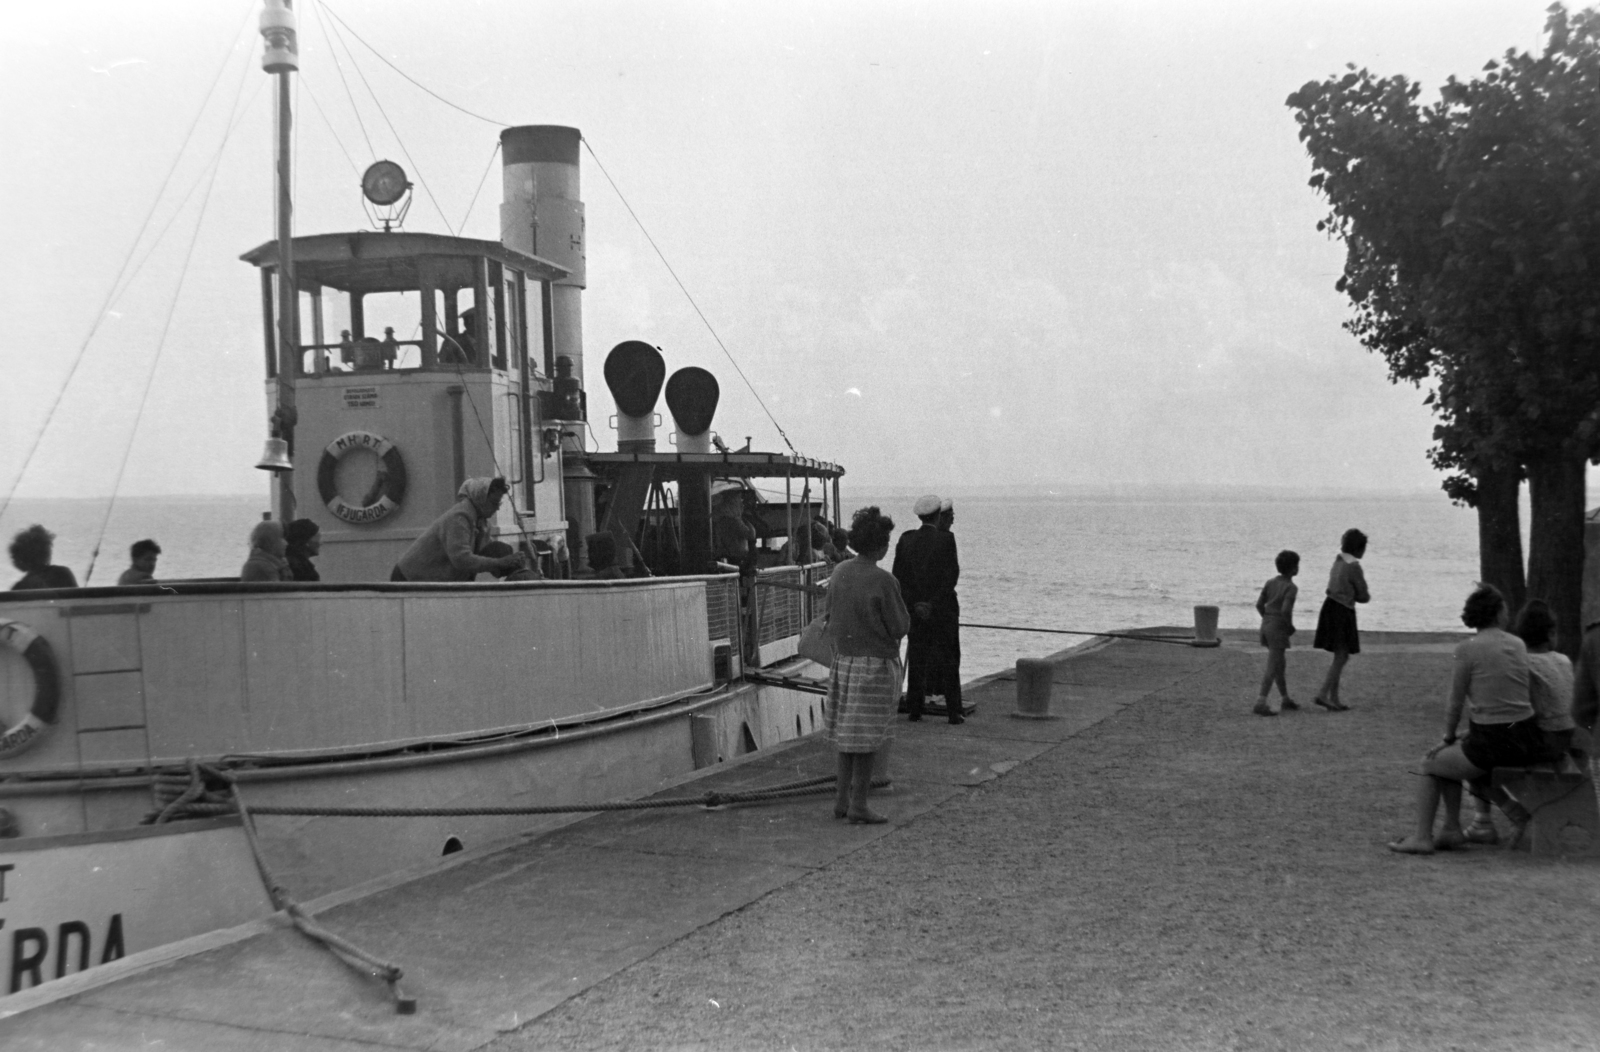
column 387, row 491
column 36, row 651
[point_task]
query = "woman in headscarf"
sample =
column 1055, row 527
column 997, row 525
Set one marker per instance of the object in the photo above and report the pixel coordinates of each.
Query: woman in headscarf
column 452, row 549
column 866, row 621
column 303, row 540
column 266, row 561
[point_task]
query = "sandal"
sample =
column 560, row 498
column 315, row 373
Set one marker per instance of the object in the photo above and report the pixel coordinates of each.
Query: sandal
column 1331, row 706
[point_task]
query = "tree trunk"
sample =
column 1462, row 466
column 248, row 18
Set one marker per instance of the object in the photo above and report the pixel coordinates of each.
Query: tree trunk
column 1500, row 533
column 1555, row 541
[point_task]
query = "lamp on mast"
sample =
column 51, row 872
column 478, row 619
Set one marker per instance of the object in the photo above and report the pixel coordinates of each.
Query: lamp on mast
column 281, row 57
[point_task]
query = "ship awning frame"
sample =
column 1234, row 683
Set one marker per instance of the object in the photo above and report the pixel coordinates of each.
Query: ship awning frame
column 365, row 261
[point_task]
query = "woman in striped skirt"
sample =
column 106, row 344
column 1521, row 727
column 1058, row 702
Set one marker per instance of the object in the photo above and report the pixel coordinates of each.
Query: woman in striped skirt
column 866, row 621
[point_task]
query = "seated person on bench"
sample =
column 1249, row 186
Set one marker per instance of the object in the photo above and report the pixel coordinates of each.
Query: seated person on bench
column 1550, row 691
column 1491, row 681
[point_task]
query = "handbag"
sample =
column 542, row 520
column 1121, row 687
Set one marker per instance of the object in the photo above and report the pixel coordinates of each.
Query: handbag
column 814, row 642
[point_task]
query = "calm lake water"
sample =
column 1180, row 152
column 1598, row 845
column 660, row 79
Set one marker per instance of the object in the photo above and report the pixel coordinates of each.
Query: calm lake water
column 1091, row 564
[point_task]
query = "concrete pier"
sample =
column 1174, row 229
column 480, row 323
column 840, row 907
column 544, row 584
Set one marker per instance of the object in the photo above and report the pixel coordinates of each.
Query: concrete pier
column 1156, row 869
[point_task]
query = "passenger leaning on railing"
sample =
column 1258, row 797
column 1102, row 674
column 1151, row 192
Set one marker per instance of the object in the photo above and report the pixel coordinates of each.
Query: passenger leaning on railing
column 453, row 548
column 30, row 552
column 266, row 561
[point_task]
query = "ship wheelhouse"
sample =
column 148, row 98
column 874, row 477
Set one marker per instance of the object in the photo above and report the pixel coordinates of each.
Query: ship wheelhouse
column 420, row 359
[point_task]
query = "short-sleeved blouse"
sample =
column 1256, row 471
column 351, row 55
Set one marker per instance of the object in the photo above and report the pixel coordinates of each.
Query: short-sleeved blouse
column 1494, row 664
column 1550, row 690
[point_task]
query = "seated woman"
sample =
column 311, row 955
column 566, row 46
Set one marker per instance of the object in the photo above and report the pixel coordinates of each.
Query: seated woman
column 267, row 549
column 31, row 550
column 453, row 547
column 1550, row 691
column 1491, row 680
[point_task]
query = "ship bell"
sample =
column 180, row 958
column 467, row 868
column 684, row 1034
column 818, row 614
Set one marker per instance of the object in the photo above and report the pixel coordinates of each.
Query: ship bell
column 275, row 457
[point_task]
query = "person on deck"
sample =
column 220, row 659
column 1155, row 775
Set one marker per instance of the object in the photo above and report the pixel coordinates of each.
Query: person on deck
column 603, row 557
column 733, row 538
column 926, row 565
column 142, row 557
column 866, row 620
column 391, row 347
column 30, row 552
column 451, row 549
column 266, row 561
column 303, row 540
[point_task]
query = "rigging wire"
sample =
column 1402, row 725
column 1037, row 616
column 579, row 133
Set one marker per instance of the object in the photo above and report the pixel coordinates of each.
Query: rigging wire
column 415, row 167
column 516, row 512
column 334, row 51
column 166, row 327
column 301, row 79
column 409, row 77
column 685, row 290
column 116, row 282
column 177, row 211
column 587, row 145
column 487, row 169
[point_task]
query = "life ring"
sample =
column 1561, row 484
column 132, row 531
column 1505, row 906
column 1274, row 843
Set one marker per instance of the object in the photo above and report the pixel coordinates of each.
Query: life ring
column 387, row 492
column 35, row 650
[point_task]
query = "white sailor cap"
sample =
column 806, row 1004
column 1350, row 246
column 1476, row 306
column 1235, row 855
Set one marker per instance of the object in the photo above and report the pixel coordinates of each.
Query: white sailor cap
column 945, row 505
column 927, row 505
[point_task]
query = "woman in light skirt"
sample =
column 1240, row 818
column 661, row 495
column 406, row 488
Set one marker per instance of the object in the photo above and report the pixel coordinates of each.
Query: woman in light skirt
column 867, row 619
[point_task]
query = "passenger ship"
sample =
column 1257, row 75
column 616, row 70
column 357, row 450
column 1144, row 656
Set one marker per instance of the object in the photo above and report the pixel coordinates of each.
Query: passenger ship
column 358, row 691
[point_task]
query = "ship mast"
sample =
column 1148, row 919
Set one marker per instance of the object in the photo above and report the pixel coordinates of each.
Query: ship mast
column 281, row 57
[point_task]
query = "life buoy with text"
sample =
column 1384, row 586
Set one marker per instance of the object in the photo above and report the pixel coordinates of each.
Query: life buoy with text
column 388, row 490
column 36, row 651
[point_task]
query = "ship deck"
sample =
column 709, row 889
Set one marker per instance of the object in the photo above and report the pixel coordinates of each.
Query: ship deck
column 1156, row 868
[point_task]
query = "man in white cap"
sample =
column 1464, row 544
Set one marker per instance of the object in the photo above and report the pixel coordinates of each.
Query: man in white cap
column 926, row 566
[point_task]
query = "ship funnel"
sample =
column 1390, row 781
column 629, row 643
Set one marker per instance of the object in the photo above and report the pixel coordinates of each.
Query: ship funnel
column 634, row 371
column 692, row 395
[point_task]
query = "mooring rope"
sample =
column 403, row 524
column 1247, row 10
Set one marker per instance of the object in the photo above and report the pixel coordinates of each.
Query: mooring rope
column 1187, row 641
column 191, row 797
column 193, row 804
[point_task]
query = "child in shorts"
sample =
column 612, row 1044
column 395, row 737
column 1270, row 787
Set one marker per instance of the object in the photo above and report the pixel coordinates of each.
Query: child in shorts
column 1276, row 607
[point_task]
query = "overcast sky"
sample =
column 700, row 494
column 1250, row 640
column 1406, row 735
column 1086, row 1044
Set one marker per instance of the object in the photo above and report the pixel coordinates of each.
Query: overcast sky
column 949, row 243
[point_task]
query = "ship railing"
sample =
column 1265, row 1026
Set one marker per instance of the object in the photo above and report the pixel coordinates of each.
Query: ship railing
column 781, row 605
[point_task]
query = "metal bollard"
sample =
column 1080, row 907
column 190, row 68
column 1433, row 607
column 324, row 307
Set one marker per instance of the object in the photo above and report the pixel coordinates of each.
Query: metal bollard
column 1205, row 626
column 1034, row 680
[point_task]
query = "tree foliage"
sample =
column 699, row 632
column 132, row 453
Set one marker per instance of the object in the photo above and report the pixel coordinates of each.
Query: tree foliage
column 1472, row 233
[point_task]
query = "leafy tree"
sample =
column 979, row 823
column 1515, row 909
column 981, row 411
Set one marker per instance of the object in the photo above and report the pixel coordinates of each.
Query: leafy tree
column 1470, row 227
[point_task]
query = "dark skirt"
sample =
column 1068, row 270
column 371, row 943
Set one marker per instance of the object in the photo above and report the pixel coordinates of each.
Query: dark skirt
column 1336, row 628
column 1491, row 745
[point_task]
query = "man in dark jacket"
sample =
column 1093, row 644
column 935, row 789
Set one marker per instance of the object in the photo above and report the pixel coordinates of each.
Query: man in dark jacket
column 926, row 566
